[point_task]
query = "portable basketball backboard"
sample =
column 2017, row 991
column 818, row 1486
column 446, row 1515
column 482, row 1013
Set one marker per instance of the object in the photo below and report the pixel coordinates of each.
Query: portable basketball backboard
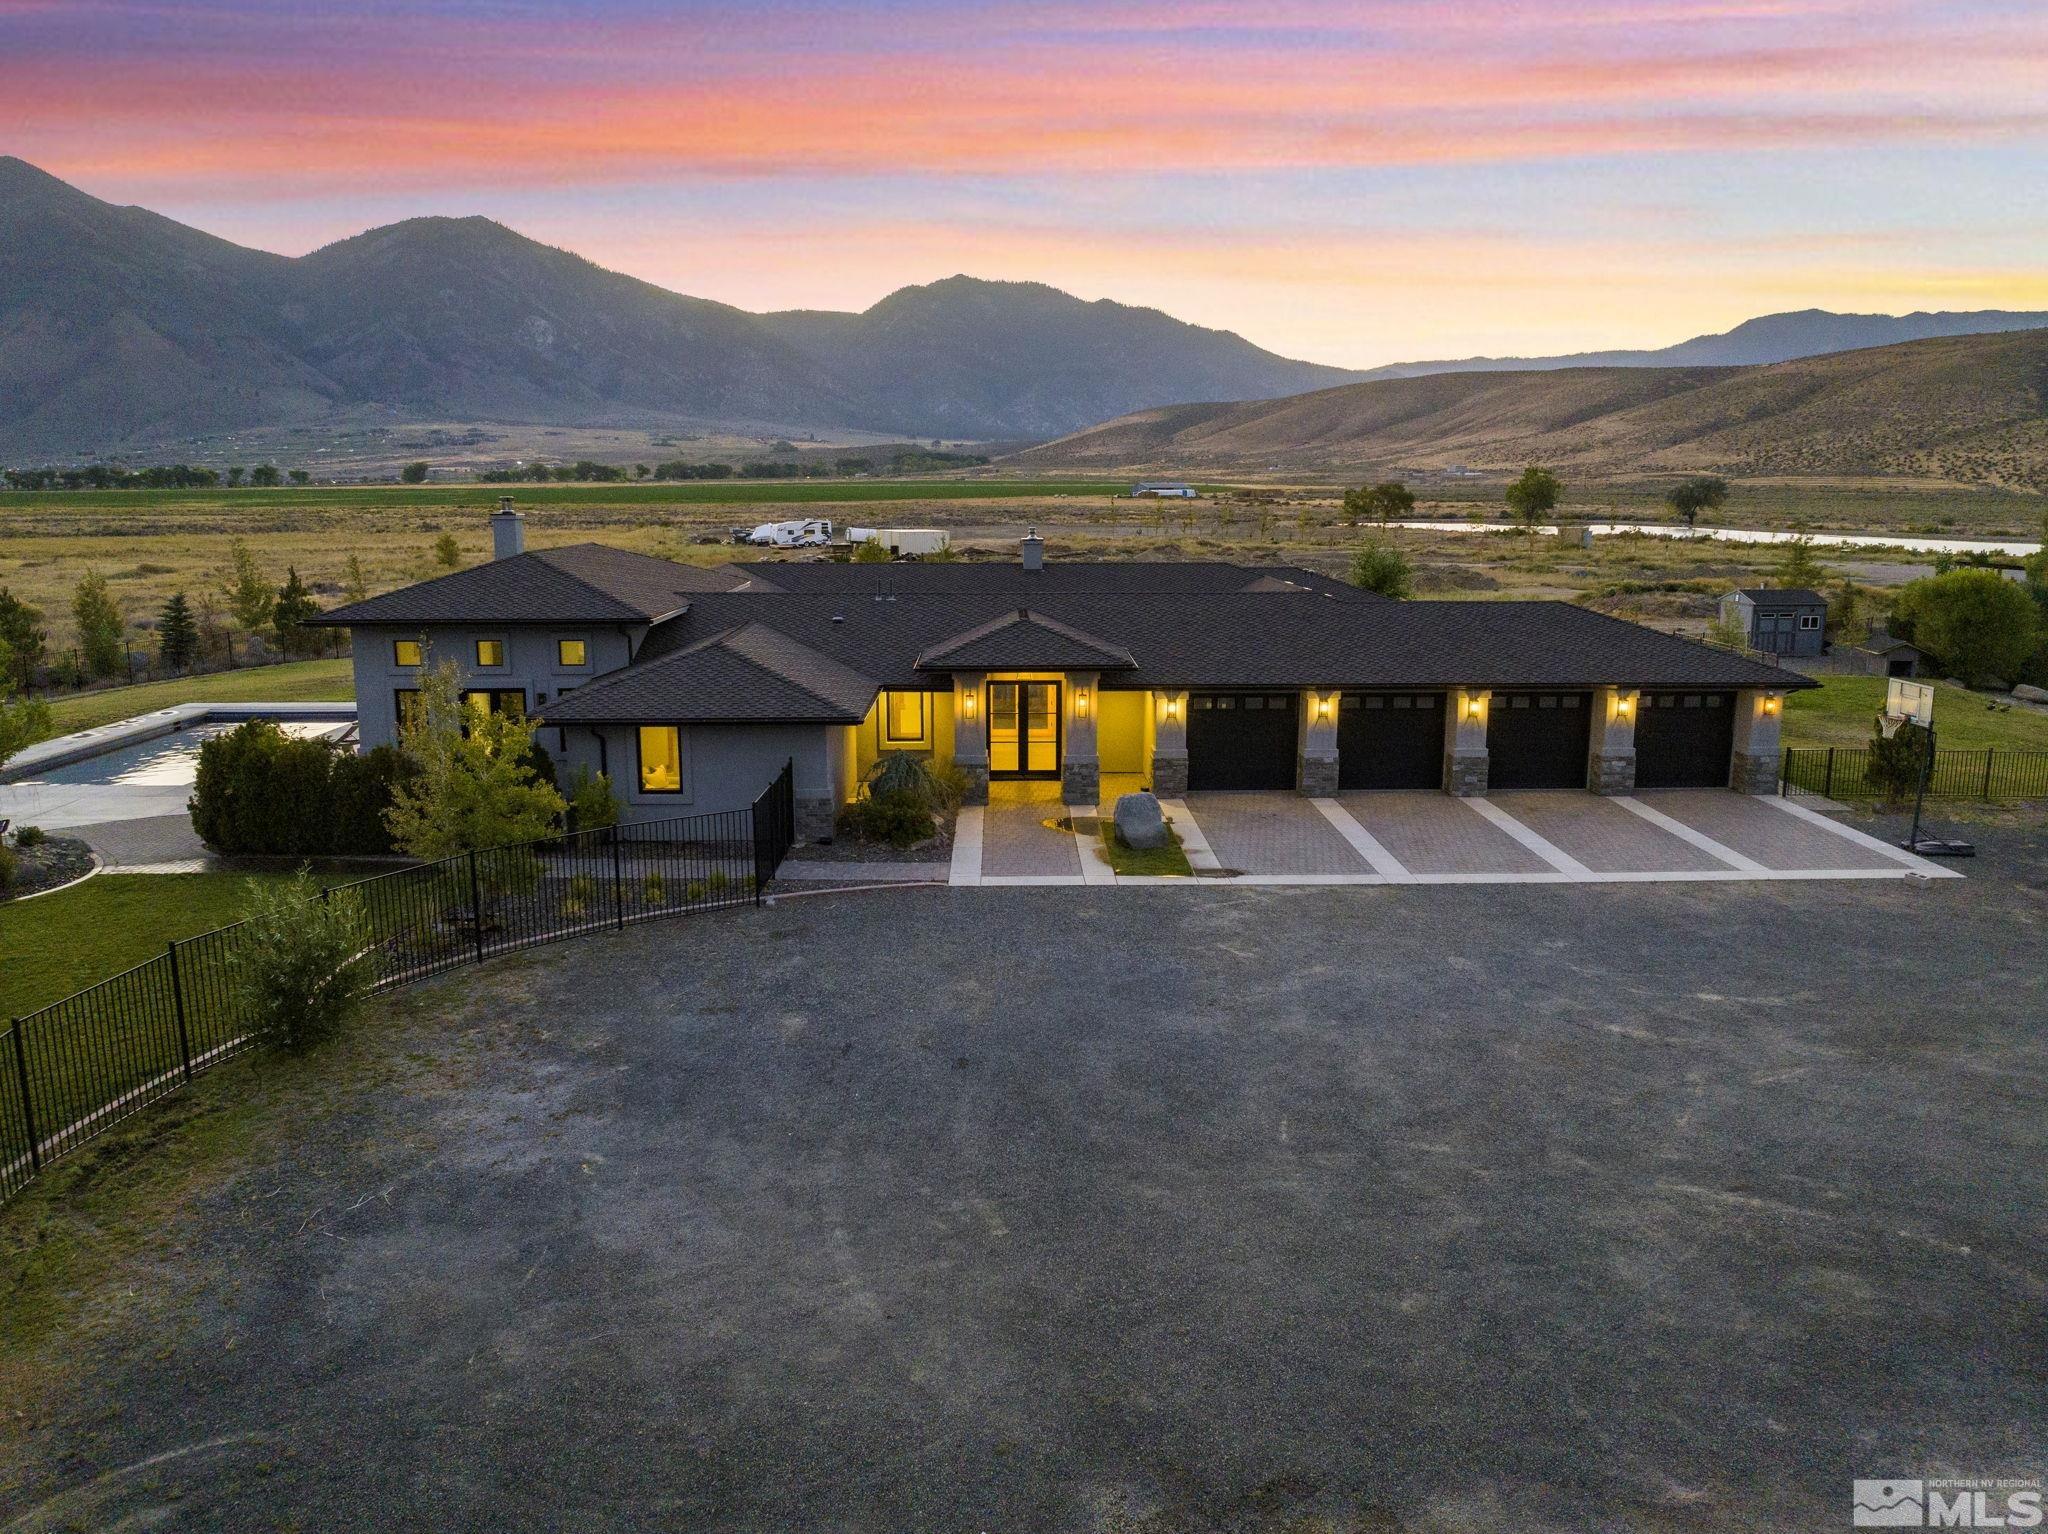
column 1909, row 700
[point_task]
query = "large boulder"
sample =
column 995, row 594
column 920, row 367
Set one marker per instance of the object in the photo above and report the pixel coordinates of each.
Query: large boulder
column 1140, row 822
column 2026, row 692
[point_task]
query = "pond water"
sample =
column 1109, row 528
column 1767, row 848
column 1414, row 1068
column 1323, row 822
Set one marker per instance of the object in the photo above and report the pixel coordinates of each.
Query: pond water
column 2014, row 547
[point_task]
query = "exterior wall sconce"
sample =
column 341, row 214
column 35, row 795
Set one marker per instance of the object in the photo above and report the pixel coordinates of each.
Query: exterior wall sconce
column 1172, row 708
column 1474, row 708
column 967, row 705
column 1621, row 708
column 1771, row 701
column 1081, row 702
column 1323, row 706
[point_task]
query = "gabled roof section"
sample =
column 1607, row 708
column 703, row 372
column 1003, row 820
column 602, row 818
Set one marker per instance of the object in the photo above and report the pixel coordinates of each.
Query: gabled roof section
column 745, row 674
column 579, row 583
column 1024, row 641
column 1783, row 596
column 1007, row 578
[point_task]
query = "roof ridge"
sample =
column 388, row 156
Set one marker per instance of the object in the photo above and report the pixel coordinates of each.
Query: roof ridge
column 591, row 543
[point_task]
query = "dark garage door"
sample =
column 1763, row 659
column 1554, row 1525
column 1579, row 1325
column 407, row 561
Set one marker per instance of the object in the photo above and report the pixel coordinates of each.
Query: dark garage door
column 1241, row 739
column 1683, row 739
column 1390, row 740
column 1537, row 739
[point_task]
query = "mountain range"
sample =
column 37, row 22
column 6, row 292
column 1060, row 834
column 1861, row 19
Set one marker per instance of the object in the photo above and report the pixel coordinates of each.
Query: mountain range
column 1968, row 409
column 123, row 330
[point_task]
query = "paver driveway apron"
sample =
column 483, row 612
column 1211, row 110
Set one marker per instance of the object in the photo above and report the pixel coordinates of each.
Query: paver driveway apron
column 1273, row 833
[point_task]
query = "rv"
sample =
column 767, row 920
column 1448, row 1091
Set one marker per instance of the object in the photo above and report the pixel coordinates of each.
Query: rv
column 904, row 542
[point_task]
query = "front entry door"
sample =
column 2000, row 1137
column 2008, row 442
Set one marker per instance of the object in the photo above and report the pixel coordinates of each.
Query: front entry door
column 1023, row 729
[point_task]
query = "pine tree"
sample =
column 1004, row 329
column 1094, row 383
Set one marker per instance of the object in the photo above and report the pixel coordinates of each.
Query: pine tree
column 21, row 631
column 293, row 607
column 102, row 632
column 447, row 552
column 177, row 635
column 357, row 585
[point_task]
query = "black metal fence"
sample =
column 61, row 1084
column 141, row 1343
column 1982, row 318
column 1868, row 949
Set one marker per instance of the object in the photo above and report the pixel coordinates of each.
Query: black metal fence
column 1842, row 772
column 93, row 1059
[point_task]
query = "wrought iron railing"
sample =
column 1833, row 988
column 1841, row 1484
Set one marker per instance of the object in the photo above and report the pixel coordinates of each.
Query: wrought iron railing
column 1843, row 772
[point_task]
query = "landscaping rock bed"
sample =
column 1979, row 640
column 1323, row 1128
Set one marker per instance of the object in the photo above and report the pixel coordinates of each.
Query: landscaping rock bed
column 55, row 860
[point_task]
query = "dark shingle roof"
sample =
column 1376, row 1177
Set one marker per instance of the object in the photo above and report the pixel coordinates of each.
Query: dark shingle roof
column 1783, row 596
column 1024, row 641
column 579, row 583
column 1248, row 639
column 748, row 673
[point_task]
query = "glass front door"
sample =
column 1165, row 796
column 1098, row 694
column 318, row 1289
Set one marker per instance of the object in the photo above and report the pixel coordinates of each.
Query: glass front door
column 1023, row 729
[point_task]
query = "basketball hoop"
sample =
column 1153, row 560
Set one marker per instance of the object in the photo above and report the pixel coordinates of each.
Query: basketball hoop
column 1889, row 725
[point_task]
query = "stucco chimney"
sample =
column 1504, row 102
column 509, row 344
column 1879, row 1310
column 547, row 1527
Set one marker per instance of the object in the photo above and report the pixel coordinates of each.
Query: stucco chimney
column 1033, row 548
column 508, row 530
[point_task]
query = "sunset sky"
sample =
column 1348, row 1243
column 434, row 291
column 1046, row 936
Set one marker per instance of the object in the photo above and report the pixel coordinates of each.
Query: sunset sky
column 1354, row 183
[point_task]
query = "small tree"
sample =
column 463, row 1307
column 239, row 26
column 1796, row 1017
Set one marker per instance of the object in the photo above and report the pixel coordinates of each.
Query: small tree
column 871, row 552
column 23, row 721
column 213, row 633
column 592, row 804
column 1978, row 623
column 1846, row 611
column 1380, row 503
column 1535, row 495
column 102, row 633
column 301, row 967
column 356, row 585
column 177, row 634
column 294, row 606
column 473, row 786
column 1895, row 762
column 1801, row 569
column 1383, row 568
column 22, row 633
column 414, row 473
column 235, row 475
column 251, row 596
column 447, row 552
column 301, row 477
column 266, row 476
column 1690, row 497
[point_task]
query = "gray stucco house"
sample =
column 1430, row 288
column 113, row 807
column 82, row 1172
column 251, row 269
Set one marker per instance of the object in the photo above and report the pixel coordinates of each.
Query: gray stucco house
column 1786, row 620
column 690, row 687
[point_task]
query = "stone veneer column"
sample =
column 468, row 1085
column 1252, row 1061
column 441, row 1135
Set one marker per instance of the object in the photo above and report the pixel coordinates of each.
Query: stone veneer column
column 970, row 735
column 1754, row 766
column 1611, row 743
column 1169, row 744
column 1080, row 766
column 1465, row 741
column 1317, row 757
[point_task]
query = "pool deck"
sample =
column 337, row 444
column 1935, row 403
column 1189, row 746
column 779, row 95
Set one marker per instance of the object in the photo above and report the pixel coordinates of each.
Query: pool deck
column 33, row 761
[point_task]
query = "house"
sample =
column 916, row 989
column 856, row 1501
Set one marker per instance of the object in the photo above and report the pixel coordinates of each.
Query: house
column 1786, row 620
column 691, row 687
column 1163, row 489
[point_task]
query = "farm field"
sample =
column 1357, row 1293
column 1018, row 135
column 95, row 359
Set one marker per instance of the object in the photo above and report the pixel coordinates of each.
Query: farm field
column 150, row 544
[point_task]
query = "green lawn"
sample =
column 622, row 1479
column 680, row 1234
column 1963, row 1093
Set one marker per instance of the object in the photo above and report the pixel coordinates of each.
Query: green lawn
column 306, row 681
column 1150, row 862
column 57, row 944
column 730, row 492
column 1841, row 711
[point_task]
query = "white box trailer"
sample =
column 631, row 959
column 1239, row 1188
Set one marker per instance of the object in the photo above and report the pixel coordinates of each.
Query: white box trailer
column 904, row 542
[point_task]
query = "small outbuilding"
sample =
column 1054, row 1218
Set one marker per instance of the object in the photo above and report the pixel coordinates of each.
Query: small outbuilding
column 1780, row 620
column 1163, row 489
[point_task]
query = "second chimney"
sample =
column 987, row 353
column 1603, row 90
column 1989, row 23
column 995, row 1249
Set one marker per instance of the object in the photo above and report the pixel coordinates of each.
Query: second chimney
column 508, row 530
column 1033, row 548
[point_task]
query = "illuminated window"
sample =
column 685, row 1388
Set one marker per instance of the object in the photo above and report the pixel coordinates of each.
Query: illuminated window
column 510, row 700
column 903, row 716
column 571, row 652
column 408, row 652
column 490, row 652
column 661, row 759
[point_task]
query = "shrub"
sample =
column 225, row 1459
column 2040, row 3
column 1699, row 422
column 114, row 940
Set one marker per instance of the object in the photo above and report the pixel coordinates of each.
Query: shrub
column 1894, row 765
column 301, row 967
column 654, row 890
column 905, row 773
column 717, row 881
column 583, row 889
column 694, row 892
column 30, row 836
column 872, row 552
column 1382, row 568
column 592, row 804
column 9, row 865
column 1978, row 623
column 897, row 816
column 257, row 790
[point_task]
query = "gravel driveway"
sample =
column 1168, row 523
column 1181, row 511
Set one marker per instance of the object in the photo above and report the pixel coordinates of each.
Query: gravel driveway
column 1530, row 1208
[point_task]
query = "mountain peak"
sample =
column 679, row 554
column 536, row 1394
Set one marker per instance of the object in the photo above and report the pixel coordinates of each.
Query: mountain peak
column 18, row 178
